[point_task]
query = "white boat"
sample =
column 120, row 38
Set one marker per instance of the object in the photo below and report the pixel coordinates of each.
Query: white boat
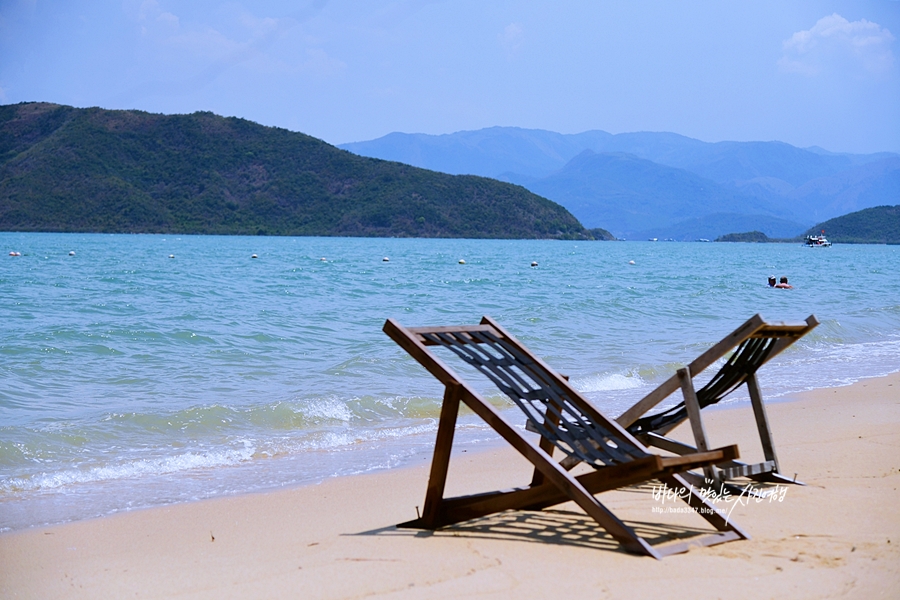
column 817, row 241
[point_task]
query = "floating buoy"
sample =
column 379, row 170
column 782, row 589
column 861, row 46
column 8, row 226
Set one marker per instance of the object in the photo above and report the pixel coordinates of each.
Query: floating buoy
column 462, row 262
column 630, row 262
column 385, row 259
column 534, row 263
column 171, row 256
column 254, row 256
column 71, row 253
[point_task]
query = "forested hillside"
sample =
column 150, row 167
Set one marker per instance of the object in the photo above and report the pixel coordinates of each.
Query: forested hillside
column 877, row 225
column 92, row 170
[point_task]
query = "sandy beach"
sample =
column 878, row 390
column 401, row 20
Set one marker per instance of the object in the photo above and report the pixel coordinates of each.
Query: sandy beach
column 838, row 536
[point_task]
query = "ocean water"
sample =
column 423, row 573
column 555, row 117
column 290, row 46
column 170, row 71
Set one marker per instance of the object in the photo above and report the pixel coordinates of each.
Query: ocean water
column 132, row 379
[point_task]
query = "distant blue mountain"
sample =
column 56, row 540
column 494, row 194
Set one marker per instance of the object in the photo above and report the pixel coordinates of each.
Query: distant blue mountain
column 627, row 195
column 632, row 183
column 634, row 193
column 486, row 152
column 871, row 184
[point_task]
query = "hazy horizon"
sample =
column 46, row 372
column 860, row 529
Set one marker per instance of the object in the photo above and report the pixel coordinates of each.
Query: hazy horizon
column 450, row 133
column 808, row 74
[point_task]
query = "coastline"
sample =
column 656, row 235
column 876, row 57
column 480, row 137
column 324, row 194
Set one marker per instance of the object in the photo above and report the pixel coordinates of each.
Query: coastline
column 834, row 537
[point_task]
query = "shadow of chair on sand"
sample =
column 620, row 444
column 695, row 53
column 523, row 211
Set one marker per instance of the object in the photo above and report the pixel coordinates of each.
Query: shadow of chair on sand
column 560, row 527
column 551, row 526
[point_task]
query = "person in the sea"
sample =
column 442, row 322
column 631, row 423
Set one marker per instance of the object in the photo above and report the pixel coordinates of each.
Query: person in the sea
column 783, row 284
column 772, row 281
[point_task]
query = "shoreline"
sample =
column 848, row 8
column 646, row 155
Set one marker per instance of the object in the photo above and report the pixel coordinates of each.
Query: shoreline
column 422, row 441
column 337, row 539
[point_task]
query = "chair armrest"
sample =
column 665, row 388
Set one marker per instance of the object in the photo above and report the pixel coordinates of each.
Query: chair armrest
column 679, row 464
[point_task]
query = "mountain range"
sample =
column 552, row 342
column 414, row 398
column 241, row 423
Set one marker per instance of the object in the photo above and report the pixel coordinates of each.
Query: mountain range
column 662, row 185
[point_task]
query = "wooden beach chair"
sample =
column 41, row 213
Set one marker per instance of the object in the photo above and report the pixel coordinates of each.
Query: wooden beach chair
column 565, row 421
column 757, row 342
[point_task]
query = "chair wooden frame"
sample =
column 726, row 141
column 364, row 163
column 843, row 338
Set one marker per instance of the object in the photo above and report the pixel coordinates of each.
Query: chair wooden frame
column 619, row 459
column 759, row 342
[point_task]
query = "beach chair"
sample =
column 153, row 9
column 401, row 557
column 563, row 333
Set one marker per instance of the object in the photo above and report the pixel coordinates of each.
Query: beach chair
column 565, row 421
column 757, row 342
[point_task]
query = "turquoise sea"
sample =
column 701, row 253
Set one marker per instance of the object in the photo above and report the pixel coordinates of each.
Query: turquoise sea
column 131, row 379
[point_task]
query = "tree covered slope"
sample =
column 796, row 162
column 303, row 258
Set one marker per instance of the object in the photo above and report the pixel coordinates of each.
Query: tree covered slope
column 93, row 170
column 876, row 225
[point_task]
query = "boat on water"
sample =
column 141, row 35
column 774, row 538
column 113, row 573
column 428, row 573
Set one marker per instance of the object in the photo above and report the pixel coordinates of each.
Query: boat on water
column 817, row 241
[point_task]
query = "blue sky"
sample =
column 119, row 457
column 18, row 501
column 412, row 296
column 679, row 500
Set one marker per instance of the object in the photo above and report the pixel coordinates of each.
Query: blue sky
column 807, row 73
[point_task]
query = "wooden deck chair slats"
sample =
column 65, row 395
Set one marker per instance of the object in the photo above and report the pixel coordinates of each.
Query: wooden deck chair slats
column 564, row 419
column 756, row 342
column 533, row 401
column 569, row 429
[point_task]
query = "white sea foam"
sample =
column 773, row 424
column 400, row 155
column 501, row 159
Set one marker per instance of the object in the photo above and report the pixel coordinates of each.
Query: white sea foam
column 186, row 461
column 327, row 409
column 605, row 383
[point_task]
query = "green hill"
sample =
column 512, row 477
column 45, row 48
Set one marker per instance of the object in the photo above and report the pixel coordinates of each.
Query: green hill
column 92, row 170
column 877, row 225
column 599, row 233
column 750, row 236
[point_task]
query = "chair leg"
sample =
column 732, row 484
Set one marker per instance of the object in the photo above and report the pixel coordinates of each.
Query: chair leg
column 545, row 445
column 555, row 475
column 703, row 507
column 693, row 411
column 431, row 512
column 762, row 421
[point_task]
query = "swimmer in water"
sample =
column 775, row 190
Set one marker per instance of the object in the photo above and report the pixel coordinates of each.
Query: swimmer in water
column 783, row 284
column 772, row 281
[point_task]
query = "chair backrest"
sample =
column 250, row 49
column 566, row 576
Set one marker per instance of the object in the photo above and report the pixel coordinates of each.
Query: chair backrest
column 553, row 409
column 750, row 356
column 759, row 345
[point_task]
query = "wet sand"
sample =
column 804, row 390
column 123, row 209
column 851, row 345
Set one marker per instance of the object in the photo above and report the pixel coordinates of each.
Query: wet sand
column 838, row 536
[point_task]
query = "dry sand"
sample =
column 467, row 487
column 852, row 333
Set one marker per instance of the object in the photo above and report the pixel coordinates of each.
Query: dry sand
column 836, row 537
